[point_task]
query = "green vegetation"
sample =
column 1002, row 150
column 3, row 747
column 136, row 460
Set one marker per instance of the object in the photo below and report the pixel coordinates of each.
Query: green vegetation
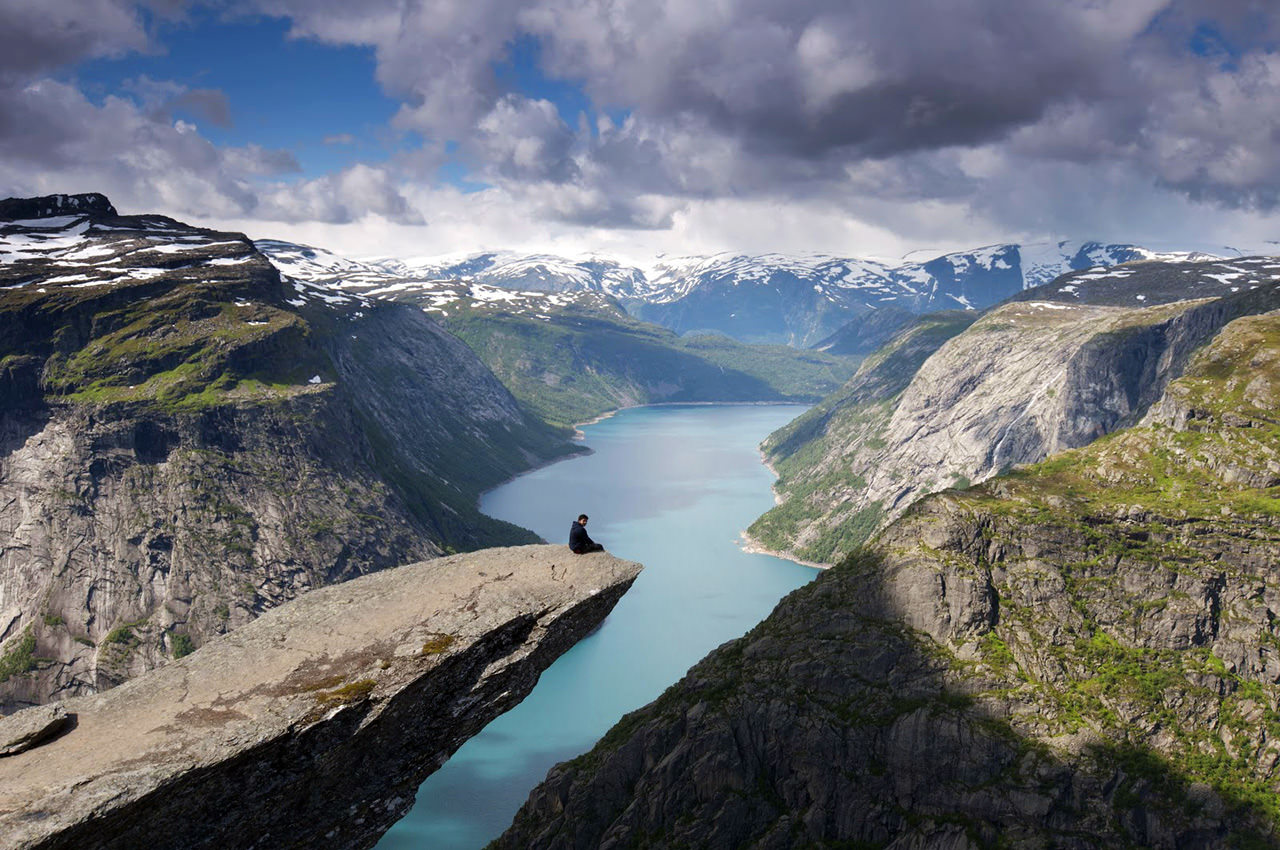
column 122, row 635
column 53, row 620
column 1125, row 693
column 437, row 644
column 181, row 645
column 1150, row 528
column 184, row 348
column 823, row 456
column 579, row 364
column 20, row 658
column 347, row 694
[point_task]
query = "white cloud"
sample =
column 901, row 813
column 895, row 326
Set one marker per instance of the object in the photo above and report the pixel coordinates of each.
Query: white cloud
column 752, row 124
column 347, row 196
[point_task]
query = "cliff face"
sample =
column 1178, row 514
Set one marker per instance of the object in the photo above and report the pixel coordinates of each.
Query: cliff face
column 187, row 439
column 820, row 475
column 1055, row 369
column 313, row 725
column 1082, row 653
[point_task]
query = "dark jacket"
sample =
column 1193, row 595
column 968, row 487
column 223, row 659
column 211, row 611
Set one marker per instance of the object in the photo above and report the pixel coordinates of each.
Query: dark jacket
column 578, row 537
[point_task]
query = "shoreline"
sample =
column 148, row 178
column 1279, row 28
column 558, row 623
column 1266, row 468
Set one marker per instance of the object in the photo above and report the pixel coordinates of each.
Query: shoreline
column 579, row 435
column 747, row 543
column 582, row 451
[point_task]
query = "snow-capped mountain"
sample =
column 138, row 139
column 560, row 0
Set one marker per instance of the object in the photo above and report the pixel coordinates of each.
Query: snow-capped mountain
column 537, row 272
column 90, row 248
column 1041, row 262
column 1158, row 281
column 797, row 300
column 801, row 300
column 437, row 286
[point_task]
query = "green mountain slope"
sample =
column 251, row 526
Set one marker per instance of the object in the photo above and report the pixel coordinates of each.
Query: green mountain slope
column 815, row 455
column 1054, row 369
column 1080, row 653
column 574, row 363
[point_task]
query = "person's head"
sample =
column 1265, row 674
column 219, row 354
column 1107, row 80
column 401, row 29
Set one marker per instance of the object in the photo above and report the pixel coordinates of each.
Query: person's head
column 582, row 519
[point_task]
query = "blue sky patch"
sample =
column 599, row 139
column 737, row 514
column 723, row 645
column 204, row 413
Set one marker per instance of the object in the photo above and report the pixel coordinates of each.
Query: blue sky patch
column 291, row 94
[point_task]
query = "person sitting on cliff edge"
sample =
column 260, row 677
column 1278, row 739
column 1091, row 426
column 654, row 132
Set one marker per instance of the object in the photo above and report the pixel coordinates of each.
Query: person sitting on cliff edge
column 580, row 543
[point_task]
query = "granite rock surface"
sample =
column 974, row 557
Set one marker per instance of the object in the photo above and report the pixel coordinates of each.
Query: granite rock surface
column 314, row 724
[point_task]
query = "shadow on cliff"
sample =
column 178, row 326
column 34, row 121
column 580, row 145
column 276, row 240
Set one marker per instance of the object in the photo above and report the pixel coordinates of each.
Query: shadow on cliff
column 23, row 412
column 833, row 723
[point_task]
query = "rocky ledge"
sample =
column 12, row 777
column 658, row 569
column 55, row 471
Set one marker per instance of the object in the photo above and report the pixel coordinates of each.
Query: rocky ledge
column 313, row 725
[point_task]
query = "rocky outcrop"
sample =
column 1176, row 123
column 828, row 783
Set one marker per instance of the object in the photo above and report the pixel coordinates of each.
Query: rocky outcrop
column 313, row 725
column 188, row 439
column 53, row 205
column 815, row 456
column 1081, row 653
column 1030, row 378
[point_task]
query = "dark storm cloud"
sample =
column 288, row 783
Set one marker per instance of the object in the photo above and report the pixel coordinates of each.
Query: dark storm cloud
column 798, row 98
column 40, row 35
column 850, row 104
column 876, row 79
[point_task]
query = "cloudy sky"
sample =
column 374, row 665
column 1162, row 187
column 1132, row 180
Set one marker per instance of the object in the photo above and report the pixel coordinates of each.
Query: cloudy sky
column 633, row 127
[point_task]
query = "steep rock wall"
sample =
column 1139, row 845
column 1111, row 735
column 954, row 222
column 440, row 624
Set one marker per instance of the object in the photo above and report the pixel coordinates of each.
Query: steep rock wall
column 1028, row 379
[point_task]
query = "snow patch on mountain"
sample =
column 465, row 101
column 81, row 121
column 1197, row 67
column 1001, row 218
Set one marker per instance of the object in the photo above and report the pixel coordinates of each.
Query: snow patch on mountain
column 794, row 299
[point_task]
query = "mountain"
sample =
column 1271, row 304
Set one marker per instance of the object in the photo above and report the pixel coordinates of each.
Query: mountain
column 818, row 457
column 867, row 333
column 189, row 438
column 433, row 287
column 1079, row 653
column 537, row 272
column 769, row 298
column 1054, row 368
column 571, row 364
column 801, row 301
column 570, row 355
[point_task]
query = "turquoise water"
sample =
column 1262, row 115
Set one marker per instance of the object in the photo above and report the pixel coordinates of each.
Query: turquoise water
column 672, row 488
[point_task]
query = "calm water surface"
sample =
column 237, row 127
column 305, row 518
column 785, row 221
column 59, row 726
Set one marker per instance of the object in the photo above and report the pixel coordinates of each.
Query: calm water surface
column 672, row 488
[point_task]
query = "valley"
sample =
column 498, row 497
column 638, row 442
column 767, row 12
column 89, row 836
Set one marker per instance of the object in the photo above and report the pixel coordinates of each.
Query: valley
column 1078, row 652
column 1049, row 521
column 915, row 367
